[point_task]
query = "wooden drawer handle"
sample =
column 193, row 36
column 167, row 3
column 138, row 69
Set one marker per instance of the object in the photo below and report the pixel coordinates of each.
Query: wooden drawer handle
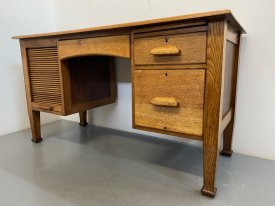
column 168, row 50
column 165, row 101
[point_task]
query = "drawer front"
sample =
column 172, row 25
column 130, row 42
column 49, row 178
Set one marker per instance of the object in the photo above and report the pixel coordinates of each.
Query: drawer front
column 110, row 46
column 171, row 49
column 170, row 100
column 45, row 81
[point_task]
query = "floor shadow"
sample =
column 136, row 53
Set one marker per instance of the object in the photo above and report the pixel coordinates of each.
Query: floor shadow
column 133, row 146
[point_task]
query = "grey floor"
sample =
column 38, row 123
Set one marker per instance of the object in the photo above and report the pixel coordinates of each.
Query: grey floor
column 97, row 166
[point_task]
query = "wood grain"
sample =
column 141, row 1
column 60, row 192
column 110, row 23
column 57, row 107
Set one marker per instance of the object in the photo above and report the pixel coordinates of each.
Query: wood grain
column 34, row 116
column 165, row 51
column 111, row 46
column 170, row 67
column 212, row 108
column 164, row 101
column 39, row 42
column 226, row 14
column 162, row 131
column 54, row 109
column 186, row 86
column 228, row 132
column 228, row 76
column 44, row 77
column 169, row 27
column 192, row 47
column 187, row 30
column 191, row 94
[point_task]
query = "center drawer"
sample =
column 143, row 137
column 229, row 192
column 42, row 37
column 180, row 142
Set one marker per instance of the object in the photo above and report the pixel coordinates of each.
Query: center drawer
column 170, row 100
column 187, row 48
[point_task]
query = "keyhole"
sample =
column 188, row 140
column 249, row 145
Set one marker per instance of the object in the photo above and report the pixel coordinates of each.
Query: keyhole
column 166, row 39
column 166, row 74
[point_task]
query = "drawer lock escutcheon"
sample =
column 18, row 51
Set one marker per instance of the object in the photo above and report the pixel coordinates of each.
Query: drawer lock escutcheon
column 164, row 101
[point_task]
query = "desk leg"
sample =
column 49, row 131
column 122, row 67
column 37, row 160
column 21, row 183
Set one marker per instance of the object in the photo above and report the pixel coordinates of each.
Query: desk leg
column 212, row 105
column 210, row 156
column 228, row 132
column 34, row 117
column 227, row 139
column 83, row 118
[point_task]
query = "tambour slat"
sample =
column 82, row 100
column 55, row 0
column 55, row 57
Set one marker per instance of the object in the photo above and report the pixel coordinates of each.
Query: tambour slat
column 41, row 52
column 43, row 59
column 44, row 75
column 38, row 89
column 42, row 63
column 52, row 83
column 47, row 97
column 44, row 71
column 39, row 66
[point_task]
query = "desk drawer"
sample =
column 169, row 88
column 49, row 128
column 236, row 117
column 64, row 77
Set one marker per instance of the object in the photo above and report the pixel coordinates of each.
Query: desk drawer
column 110, row 46
column 170, row 100
column 171, row 49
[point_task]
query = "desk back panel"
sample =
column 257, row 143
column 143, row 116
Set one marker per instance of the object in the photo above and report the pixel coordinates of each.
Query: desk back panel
column 89, row 82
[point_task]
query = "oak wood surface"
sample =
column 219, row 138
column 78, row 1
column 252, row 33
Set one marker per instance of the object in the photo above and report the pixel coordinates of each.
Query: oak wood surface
column 110, row 46
column 165, row 101
column 49, row 108
column 41, row 71
column 175, row 31
column 164, row 51
column 39, row 42
column 192, row 48
column 170, row 67
column 228, row 131
column 230, row 53
column 168, row 27
column 212, row 107
column 191, row 94
column 188, row 17
column 34, row 116
column 44, row 77
column 163, row 131
column 186, row 86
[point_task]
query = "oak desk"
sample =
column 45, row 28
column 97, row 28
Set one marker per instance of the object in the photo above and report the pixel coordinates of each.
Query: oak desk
column 184, row 74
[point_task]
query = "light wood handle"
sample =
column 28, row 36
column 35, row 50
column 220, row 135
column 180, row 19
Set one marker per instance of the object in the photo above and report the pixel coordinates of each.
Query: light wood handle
column 167, row 50
column 165, row 101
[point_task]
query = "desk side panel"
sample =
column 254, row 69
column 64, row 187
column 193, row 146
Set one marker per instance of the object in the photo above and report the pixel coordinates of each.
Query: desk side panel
column 42, row 75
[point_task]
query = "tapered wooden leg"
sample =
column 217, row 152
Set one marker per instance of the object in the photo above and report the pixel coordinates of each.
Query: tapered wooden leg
column 228, row 132
column 35, row 125
column 212, row 105
column 83, row 118
column 210, row 155
column 227, row 139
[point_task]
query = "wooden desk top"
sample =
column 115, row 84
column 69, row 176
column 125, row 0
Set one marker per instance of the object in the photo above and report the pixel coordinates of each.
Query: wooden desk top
column 189, row 17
